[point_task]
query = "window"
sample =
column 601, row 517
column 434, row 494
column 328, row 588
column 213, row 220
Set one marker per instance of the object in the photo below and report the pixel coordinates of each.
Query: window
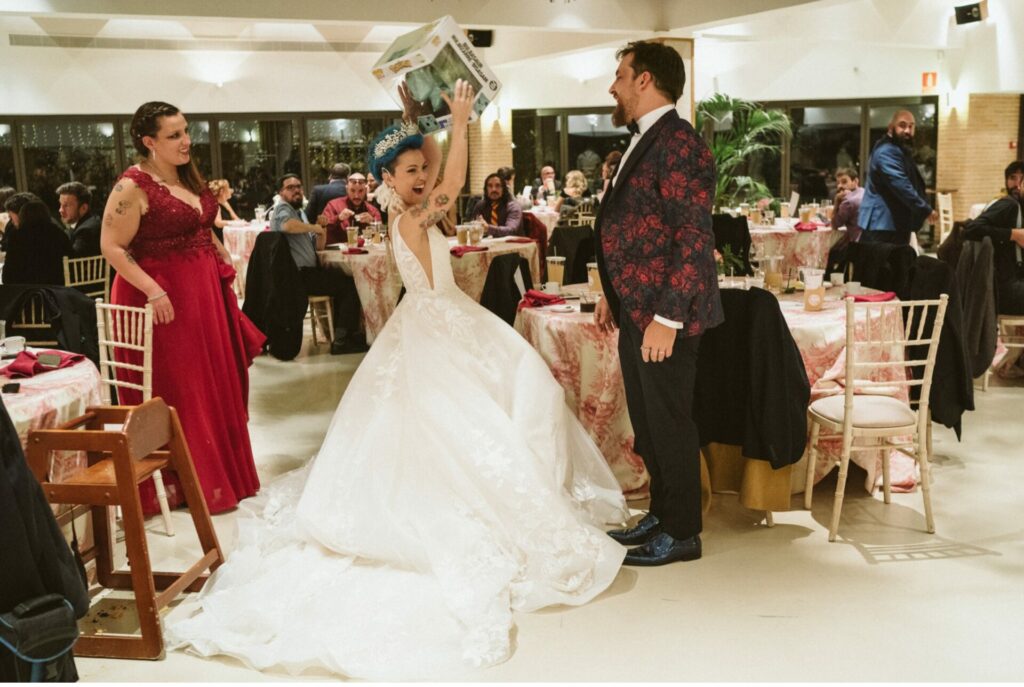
column 591, row 138
column 824, row 139
column 330, row 141
column 6, row 158
column 537, row 141
column 254, row 154
column 58, row 152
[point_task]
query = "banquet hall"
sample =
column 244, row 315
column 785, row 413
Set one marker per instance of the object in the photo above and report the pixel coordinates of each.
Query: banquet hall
column 273, row 91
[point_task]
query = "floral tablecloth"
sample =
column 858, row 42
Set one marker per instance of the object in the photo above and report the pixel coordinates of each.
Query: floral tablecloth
column 797, row 248
column 378, row 282
column 239, row 242
column 52, row 398
column 585, row 362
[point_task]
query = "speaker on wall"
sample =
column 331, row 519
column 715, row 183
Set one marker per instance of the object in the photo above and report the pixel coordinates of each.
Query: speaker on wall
column 480, row 38
column 968, row 14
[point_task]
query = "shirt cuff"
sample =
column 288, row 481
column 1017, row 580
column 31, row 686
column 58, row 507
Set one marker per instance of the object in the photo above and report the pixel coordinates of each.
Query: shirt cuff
column 668, row 323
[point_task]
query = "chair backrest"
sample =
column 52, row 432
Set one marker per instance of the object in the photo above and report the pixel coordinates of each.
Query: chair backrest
column 576, row 245
column 89, row 275
column 147, row 427
column 944, row 203
column 130, row 330
column 32, row 323
column 892, row 335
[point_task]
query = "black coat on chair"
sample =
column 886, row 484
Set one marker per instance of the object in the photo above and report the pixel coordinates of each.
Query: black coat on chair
column 576, row 245
column 275, row 296
column 752, row 389
column 882, row 266
column 70, row 313
column 502, row 292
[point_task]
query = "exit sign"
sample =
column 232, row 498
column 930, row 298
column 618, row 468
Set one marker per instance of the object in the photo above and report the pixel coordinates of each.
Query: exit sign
column 929, row 83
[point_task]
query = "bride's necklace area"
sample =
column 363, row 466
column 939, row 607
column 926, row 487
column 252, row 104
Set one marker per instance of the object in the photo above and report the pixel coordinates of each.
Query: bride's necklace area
column 159, row 178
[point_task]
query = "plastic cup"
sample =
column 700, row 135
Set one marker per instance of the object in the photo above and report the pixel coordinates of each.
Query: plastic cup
column 556, row 268
column 594, row 277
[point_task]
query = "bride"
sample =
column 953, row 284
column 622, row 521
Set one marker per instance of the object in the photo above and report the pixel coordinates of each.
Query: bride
column 454, row 485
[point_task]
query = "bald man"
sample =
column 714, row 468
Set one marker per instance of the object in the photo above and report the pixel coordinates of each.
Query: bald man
column 894, row 204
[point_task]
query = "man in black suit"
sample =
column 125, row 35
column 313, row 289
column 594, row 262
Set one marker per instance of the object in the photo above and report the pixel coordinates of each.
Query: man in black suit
column 336, row 187
column 83, row 225
column 655, row 253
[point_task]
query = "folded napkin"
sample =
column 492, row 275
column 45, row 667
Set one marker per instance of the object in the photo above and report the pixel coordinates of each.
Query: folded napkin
column 537, row 299
column 355, row 251
column 806, row 226
column 875, row 297
column 459, row 251
column 518, row 239
column 27, row 363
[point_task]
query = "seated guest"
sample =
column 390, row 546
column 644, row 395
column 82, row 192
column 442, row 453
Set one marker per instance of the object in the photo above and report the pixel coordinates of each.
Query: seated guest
column 371, row 196
column 83, row 224
column 573, row 193
column 608, row 169
column 545, row 185
column 36, row 246
column 847, row 203
column 1002, row 222
column 222, row 191
column 498, row 208
column 336, row 187
column 351, row 210
column 304, row 239
column 13, row 204
column 5, row 193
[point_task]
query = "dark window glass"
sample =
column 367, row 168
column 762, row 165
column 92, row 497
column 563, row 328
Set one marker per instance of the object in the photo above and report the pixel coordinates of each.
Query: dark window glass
column 6, row 158
column 58, row 152
column 254, row 154
column 535, row 140
column 341, row 140
column 591, row 138
column 824, row 139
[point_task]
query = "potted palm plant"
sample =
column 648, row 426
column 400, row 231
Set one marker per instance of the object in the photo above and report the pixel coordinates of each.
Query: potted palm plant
column 735, row 130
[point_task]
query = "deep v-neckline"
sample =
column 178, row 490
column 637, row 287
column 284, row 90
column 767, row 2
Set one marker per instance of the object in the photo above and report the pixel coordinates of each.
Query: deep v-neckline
column 162, row 185
column 419, row 263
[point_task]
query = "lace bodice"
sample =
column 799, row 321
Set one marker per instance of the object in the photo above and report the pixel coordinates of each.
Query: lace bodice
column 170, row 226
column 413, row 276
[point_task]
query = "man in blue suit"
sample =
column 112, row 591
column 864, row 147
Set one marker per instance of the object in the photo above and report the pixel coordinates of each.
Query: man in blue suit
column 336, row 187
column 894, row 205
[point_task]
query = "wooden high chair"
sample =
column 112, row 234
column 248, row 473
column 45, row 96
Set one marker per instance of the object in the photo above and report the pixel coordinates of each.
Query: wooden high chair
column 149, row 438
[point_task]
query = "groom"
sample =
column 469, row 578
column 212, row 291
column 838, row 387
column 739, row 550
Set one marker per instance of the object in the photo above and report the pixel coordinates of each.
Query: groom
column 655, row 253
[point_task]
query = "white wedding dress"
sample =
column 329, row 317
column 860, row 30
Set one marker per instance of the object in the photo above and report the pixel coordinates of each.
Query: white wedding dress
column 454, row 487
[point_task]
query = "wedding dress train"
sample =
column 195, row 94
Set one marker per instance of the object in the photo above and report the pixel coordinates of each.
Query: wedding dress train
column 453, row 487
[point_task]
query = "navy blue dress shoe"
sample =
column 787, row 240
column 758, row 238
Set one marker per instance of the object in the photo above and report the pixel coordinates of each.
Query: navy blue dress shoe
column 663, row 549
column 639, row 533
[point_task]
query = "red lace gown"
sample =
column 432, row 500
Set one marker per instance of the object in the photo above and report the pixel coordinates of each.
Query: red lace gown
column 201, row 359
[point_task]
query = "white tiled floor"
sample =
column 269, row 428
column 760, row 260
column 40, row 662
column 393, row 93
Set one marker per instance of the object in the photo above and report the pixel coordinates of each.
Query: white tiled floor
column 886, row 602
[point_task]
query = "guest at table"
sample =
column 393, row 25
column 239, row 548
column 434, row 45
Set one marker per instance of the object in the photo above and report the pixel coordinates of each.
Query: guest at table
column 36, row 246
column 894, row 205
column 608, row 169
column 222, row 191
column 546, row 185
column 11, row 207
column 336, row 187
column 498, row 209
column 83, row 224
column 156, row 234
column 304, row 239
column 573, row 192
column 5, row 193
column 353, row 209
column 1002, row 222
column 847, row 204
column 655, row 254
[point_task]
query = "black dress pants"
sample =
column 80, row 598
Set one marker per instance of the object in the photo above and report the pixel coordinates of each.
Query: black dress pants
column 900, row 238
column 660, row 401
column 326, row 281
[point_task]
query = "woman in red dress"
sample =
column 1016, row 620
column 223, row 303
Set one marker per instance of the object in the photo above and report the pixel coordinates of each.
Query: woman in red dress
column 157, row 235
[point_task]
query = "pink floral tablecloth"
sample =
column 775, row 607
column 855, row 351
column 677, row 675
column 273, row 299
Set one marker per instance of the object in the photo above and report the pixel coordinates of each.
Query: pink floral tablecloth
column 239, row 242
column 378, row 282
column 585, row 362
column 797, row 248
column 51, row 399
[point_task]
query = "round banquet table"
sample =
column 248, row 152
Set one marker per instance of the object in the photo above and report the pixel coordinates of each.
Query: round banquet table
column 239, row 240
column 50, row 399
column 585, row 362
column 378, row 282
column 797, row 248
column 546, row 215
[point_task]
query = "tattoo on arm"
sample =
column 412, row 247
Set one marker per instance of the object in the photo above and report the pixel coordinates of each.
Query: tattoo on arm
column 431, row 219
column 108, row 219
column 442, row 199
column 129, row 257
column 122, row 206
column 119, row 187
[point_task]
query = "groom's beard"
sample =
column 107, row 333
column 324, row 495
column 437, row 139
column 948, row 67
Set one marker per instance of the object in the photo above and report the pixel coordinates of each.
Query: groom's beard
column 619, row 115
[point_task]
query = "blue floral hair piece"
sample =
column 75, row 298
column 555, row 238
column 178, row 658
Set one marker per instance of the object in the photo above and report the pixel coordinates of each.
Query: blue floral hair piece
column 389, row 144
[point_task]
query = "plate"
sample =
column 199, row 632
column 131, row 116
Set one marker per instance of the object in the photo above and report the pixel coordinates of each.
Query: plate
column 560, row 307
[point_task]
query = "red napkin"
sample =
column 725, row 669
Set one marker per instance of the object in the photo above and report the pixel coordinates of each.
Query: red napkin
column 27, row 363
column 518, row 239
column 459, row 251
column 356, row 251
column 806, row 226
column 875, row 297
column 536, row 299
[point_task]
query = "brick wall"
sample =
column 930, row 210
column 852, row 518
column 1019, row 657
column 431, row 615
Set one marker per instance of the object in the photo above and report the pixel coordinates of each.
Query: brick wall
column 974, row 147
column 490, row 145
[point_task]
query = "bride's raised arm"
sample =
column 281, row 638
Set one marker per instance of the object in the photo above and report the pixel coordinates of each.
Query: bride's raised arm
column 436, row 204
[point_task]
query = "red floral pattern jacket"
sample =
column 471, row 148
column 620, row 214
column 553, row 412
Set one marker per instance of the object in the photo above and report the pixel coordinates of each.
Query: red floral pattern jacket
column 654, row 237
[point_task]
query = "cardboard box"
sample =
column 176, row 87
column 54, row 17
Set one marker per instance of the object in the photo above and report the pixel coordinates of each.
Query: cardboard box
column 429, row 60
